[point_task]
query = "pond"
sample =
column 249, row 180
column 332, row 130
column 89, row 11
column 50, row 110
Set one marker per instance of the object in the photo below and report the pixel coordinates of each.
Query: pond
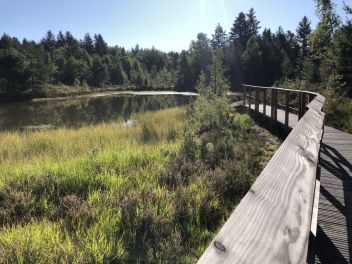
column 84, row 110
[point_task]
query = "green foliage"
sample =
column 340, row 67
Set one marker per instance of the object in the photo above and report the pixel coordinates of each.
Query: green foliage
column 303, row 32
column 219, row 38
column 339, row 113
column 67, row 197
column 14, row 73
column 244, row 27
column 320, row 57
column 252, row 64
column 209, row 112
column 342, row 59
column 99, row 71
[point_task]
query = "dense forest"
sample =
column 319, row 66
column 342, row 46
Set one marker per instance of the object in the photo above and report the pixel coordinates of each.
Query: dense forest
column 319, row 58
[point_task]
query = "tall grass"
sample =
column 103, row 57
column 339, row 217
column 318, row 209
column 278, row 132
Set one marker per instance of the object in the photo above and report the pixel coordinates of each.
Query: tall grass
column 101, row 194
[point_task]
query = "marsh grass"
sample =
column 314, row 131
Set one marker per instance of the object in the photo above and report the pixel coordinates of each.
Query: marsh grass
column 117, row 194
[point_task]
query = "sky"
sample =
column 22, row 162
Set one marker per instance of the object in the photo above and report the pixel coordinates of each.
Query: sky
column 168, row 25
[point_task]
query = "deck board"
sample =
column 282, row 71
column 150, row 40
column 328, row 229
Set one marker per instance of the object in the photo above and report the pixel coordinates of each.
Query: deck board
column 334, row 233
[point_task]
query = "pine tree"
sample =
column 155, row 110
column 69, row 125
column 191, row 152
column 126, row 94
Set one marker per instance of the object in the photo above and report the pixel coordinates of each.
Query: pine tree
column 49, row 42
column 101, row 47
column 88, row 43
column 253, row 23
column 239, row 30
column 321, row 39
column 60, row 40
column 219, row 38
column 244, row 27
column 252, row 62
column 303, row 31
column 342, row 59
column 99, row 71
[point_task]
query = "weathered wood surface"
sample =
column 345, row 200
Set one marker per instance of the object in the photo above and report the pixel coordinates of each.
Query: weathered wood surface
column 334, row 232
column 317, row 103
column 272, row 222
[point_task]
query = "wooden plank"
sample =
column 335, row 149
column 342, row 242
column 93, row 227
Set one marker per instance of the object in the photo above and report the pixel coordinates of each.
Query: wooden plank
column 272, row 222
column 314, row 222
column 335, row 214
column 334, row 241
column 317, row 103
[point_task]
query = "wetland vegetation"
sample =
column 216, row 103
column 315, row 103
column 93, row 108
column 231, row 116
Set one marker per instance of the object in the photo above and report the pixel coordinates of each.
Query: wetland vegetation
column 155, row 191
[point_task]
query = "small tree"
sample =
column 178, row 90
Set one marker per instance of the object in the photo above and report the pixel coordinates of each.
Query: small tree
column 88, row 43
column 303, row 31
column 219, row 38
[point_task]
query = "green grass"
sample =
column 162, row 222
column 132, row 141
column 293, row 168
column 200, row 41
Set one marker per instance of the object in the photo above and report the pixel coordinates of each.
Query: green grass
column 100, row 194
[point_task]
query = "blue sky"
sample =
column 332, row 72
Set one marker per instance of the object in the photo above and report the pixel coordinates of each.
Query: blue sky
column 167, row 25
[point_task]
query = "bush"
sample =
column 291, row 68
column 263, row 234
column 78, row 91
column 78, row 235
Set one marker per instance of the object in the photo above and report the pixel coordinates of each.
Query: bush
column 76, row 82
column 339, row 113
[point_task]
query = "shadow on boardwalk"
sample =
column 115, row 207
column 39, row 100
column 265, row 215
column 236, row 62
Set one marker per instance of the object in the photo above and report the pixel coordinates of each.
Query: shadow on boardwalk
column 334, row 234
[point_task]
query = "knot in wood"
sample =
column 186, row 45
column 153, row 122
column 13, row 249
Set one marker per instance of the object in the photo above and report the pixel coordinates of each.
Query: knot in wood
column 219, row 246
column 309, row 156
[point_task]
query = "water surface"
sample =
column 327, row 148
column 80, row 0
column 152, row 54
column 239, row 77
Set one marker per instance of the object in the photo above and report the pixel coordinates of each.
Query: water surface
column 83, row 110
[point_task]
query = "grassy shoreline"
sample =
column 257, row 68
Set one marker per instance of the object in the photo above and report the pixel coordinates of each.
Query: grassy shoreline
column 62, row 91
column 97, row 194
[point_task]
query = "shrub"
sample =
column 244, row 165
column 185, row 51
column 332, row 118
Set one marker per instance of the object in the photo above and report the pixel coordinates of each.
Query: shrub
column 76, row 82
column 339, row 113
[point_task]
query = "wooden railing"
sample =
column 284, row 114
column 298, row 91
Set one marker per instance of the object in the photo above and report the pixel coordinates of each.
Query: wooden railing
column 269, row 96
column 273, row 222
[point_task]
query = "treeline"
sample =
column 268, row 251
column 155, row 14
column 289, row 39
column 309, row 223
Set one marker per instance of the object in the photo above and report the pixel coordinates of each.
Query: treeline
column 314, row 57
column 27, row 66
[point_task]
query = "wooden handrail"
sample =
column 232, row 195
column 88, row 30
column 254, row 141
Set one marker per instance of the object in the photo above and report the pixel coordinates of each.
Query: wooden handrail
column 272, row 222
column 302, row 98
column 280, row 89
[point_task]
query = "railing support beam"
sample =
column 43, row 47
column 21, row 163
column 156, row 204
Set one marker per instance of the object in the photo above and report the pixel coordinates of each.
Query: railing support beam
column 274, row 104
column 256, row 100
column 264, row 101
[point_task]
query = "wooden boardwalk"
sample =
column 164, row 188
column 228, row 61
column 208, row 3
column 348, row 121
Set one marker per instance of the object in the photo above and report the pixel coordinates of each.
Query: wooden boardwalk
column 334, row 230
column 334, row 234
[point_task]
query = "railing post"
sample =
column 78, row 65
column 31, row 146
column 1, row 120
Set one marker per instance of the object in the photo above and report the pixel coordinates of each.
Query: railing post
column 249, row 98
column 256, row 100
column 273, row 104
column 264, row 101
column 311, row 97
column 244, row 95
column 276, row 92
column 287, row 107
column 304, row 103
column 300, row 109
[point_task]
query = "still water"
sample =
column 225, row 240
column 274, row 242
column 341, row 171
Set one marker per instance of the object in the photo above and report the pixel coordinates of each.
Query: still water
column 78, row 111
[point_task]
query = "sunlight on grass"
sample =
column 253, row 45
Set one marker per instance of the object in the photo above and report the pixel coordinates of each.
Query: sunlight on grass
column 101, row 193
